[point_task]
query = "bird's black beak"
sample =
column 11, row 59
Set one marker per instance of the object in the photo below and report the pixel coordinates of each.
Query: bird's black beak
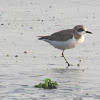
column 89, row 32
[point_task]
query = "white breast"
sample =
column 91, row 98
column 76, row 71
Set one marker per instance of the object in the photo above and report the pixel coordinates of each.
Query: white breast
column 68, row 44
column 79, row 41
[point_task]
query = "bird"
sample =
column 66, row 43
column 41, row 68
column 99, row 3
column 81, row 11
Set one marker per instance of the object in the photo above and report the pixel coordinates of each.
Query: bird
column 66, row 39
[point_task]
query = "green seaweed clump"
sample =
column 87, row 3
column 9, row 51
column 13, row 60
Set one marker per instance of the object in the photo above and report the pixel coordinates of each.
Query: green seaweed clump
column 48, row 84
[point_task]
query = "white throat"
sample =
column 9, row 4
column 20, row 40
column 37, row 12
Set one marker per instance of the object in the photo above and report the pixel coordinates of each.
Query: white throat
column 83, row 33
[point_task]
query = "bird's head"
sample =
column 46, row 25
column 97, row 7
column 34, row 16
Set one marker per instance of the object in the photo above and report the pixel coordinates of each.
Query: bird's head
column 81, row 30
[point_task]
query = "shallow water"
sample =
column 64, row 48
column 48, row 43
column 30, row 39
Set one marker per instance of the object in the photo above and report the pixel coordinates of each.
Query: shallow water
column 73, row 83
column 21, row 22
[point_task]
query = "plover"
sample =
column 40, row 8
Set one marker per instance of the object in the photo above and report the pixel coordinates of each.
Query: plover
column 66, row 39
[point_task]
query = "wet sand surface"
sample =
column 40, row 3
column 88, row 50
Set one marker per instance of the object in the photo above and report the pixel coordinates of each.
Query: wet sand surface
column 25, row 61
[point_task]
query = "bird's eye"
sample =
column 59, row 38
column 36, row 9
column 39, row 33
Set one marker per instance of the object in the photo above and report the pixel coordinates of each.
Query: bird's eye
column 80, row 30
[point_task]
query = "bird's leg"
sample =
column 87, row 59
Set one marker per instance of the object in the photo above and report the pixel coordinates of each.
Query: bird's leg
column 65, row 59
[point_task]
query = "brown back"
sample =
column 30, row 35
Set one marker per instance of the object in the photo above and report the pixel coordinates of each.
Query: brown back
column 62, row 35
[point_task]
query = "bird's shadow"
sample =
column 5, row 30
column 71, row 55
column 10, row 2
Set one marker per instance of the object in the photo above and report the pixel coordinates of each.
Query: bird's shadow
column 64, row 70
column 67, row 72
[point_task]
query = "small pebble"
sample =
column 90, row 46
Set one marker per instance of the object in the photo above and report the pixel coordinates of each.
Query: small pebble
column 21, row 33
column 31, row 27
column 83, row 70
column 78, row 65
column 2, row 24
column 8, row 23
column 87, row 94
column 16, row 56
column 25, row 51
column 49, row 6
column 7, row 55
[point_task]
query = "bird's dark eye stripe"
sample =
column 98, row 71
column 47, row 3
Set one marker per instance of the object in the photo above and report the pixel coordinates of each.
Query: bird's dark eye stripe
column 81, row 29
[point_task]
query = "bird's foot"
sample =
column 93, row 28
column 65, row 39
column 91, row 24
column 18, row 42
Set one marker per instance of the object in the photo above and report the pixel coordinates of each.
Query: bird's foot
column 69, row 65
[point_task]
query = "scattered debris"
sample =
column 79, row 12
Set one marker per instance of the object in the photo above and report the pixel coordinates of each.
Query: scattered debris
column 79, row 63
column 40, row 20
